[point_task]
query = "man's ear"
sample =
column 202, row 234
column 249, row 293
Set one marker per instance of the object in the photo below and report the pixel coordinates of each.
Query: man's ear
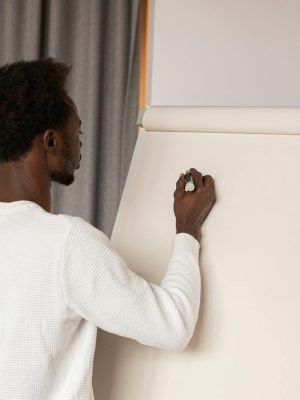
column 49, row 140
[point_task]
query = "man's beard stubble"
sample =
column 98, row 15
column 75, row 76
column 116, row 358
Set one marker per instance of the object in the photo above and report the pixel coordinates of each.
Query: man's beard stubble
column 63, row 176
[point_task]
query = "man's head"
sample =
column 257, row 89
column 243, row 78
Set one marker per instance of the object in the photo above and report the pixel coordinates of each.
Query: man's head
column 37, row 116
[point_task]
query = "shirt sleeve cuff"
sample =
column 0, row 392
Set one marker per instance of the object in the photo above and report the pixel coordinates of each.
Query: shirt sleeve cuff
column 184, row 242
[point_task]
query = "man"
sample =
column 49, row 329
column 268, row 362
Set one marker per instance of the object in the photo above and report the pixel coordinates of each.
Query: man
column 60, row 278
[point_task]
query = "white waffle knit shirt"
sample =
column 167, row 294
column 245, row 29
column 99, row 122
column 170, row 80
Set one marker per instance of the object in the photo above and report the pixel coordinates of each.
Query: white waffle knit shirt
column 60, row 279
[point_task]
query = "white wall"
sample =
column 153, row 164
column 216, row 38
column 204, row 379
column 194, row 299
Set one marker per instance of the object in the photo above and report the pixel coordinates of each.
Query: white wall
column 216, row 52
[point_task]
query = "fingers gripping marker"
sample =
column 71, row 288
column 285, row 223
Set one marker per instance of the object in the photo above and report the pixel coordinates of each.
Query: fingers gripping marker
column 189, row 182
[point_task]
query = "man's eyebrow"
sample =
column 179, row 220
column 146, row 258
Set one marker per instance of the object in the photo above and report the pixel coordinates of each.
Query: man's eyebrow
column 79, row 122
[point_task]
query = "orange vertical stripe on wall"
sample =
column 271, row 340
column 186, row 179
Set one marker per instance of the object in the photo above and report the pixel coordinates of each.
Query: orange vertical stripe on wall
column 144, row 29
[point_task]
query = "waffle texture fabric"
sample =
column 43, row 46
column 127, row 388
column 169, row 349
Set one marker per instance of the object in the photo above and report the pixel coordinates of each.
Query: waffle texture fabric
column 60, row 279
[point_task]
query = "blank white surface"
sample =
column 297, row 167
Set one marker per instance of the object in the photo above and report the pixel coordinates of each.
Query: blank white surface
column 246, row 343
column 234, row 52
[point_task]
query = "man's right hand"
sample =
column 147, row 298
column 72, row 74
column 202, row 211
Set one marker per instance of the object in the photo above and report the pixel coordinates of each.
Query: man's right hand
column 192, row 208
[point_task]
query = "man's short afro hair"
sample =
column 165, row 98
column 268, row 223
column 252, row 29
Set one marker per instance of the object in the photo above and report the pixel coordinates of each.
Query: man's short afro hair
column 32, row 99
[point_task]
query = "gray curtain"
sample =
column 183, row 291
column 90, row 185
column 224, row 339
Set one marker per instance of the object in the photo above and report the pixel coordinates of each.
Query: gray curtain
column 100, row 38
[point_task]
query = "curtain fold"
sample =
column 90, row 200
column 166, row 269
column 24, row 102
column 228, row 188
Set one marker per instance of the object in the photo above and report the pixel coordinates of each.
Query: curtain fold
column 101, row 40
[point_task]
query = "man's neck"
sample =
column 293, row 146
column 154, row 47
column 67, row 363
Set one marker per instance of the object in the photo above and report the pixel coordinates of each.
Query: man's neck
column 19, row 182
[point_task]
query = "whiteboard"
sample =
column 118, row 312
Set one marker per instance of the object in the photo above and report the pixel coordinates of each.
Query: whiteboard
column 246, row 342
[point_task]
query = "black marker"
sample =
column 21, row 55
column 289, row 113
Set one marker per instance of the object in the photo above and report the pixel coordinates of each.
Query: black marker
column 189, row 182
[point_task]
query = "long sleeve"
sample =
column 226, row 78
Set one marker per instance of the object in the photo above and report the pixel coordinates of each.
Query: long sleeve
column 99, row 286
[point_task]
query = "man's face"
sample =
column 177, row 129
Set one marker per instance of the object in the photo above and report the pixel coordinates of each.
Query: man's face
column 70, row 156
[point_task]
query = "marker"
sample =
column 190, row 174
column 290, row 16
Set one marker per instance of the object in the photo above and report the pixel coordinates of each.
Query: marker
column 189, row 182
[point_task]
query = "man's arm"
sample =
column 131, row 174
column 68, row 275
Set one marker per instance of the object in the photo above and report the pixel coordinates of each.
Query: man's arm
column 99, row 286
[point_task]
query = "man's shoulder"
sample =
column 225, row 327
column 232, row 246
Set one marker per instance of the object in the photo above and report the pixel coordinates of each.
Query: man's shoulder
column 79, row 228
